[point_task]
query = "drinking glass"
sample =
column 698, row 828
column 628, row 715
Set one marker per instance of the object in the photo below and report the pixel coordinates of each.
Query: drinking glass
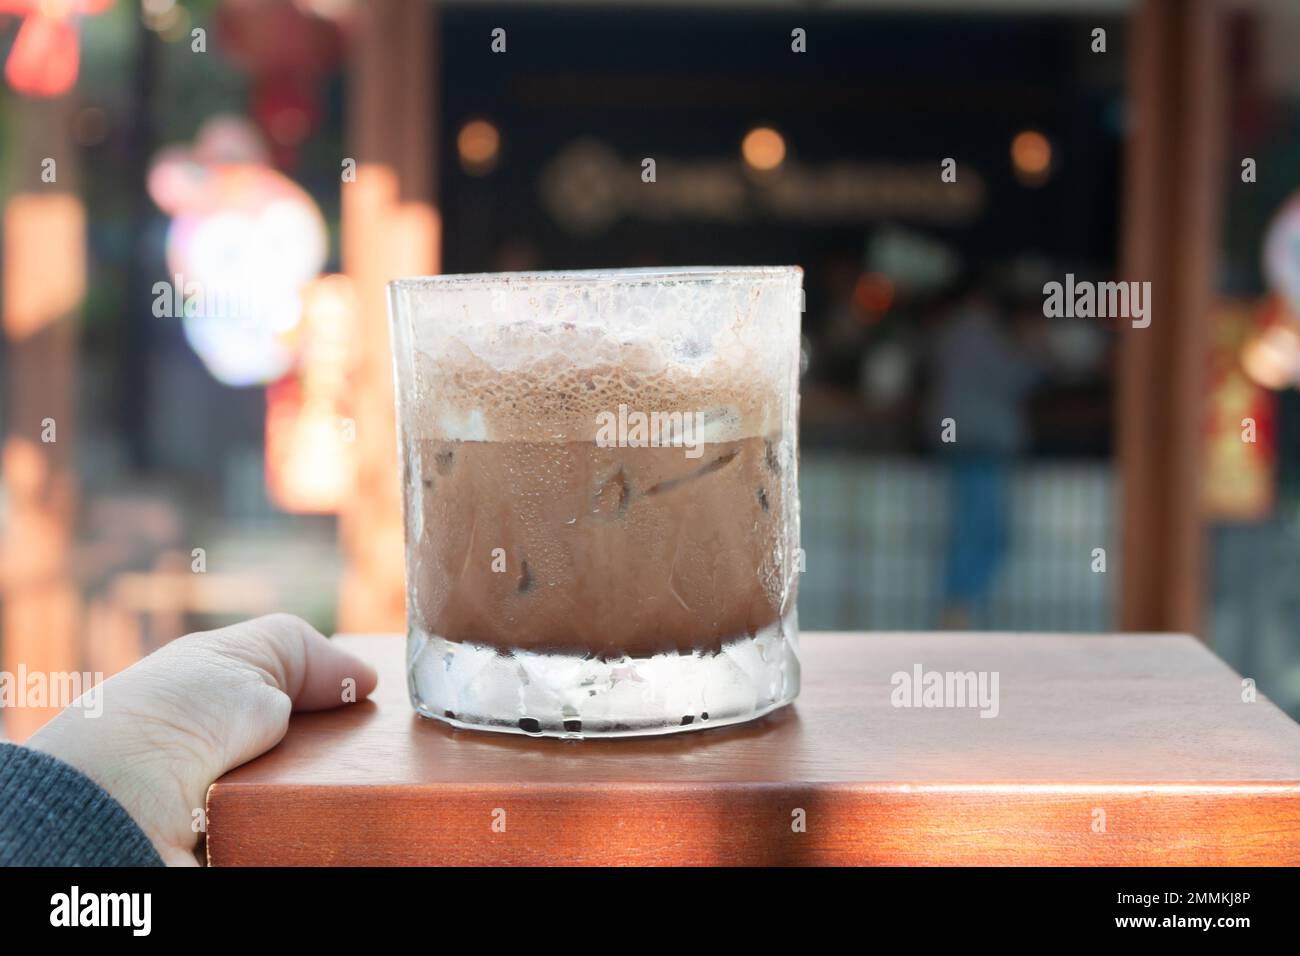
column 600, row 497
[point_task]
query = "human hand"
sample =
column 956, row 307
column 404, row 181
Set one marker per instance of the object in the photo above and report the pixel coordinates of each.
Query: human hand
column 176, row 721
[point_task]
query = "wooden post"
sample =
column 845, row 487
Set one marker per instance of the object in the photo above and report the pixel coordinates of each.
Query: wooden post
column 390, row 229
column 44, row 284
column 1171, row 233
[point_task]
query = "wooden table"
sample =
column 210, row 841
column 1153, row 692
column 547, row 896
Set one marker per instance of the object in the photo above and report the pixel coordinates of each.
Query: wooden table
column 1107, row 749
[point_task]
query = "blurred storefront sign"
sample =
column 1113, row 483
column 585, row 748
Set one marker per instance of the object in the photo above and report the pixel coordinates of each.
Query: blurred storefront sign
column 588, row 187
column 242, row 241
column 1240, row 451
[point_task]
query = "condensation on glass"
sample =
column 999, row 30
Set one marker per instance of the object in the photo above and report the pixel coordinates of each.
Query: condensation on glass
column 600, row 495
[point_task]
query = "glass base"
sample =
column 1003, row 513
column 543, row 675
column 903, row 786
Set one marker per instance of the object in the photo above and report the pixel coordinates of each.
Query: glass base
column 563, row 695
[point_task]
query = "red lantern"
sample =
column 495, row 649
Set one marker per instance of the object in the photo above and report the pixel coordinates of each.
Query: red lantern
column 46, row 52
column 287, row 52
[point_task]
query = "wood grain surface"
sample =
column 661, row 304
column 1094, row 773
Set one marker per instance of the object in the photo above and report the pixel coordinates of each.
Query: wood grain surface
column 1106, row 749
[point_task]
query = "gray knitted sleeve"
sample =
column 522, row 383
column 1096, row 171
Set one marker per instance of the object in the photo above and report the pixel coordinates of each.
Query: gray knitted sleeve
column 53, row 815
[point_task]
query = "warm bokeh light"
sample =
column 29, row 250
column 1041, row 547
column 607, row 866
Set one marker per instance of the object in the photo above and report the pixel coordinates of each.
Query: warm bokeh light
column 763, row 148
column 1031, row 155
column 310, row 436
column 479, row 145
column 384, row 236
column 44, row 261
column 327, row 9
column 1272, row 357
column 40, row 611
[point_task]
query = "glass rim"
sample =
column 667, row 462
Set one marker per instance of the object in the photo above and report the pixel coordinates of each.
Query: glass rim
column 624, row 276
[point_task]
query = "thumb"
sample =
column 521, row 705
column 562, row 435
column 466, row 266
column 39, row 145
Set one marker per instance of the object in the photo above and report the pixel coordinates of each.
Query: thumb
column 293, row 657
column 288, row 665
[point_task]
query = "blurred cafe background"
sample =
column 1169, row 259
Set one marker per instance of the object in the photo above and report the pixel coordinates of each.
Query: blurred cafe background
column 930, row 165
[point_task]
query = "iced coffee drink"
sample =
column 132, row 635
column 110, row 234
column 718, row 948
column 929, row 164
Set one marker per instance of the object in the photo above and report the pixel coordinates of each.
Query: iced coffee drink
column 599, row 472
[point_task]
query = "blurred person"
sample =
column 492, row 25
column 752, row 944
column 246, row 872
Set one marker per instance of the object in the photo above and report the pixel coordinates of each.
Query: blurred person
column 124, row 788
column 982, row 370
